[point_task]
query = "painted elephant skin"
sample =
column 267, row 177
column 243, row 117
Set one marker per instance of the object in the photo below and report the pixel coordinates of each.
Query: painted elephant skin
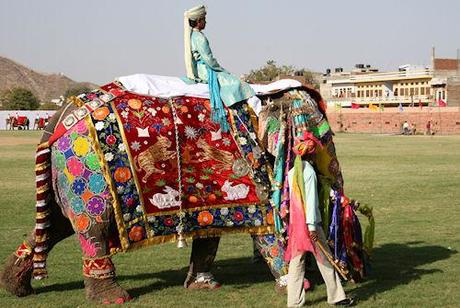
column 123, row 171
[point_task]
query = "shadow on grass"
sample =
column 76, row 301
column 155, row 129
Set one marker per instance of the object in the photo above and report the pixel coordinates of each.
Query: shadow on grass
column 393, row 265
column 60, row 287
column 239, row 272
column 397, row 264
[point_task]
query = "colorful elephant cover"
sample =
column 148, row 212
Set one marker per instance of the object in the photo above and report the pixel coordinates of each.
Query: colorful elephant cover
column 170, row 169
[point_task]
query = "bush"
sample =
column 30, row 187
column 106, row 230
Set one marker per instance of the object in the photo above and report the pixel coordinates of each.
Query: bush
column 21, row 99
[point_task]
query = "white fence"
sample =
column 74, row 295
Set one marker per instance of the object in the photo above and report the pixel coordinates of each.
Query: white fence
column 31, row 114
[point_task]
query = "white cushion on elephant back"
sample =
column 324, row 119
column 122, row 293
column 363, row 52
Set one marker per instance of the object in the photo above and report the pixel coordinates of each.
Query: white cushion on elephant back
column 166, row 86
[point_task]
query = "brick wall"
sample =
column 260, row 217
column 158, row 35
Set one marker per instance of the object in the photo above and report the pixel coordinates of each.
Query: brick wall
column 445, row 120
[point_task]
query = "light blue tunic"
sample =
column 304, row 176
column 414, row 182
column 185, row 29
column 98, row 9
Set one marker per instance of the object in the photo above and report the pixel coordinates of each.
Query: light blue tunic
column 232, row 90
column 312, row 213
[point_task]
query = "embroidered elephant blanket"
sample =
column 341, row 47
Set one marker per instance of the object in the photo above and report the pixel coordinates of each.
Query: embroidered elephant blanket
column 170, row 168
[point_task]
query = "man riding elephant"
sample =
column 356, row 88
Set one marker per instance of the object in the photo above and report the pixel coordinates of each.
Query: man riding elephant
column 98, row 190
column 224, row 89
column 101, row 174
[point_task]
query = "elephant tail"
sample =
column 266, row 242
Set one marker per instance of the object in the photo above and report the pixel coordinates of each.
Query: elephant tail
column 42, row 218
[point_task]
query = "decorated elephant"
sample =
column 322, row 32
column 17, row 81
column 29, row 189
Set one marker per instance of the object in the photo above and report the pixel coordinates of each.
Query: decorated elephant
column 123, row 170
column 295, row 121
column 40, row 123
column 19, row 122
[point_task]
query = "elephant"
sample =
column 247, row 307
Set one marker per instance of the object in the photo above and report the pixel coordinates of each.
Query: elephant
column 21, row 122
column 112, row 171
column 124, row 170
column 40, row 123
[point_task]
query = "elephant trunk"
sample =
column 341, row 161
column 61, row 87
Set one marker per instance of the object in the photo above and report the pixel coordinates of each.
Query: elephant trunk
column 43, row 197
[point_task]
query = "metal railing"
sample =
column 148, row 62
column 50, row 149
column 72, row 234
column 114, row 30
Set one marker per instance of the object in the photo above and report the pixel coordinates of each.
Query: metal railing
column 346, row 101
column 384, row 76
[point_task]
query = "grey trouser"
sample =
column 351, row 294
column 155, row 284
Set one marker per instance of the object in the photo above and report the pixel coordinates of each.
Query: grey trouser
column 296, row 292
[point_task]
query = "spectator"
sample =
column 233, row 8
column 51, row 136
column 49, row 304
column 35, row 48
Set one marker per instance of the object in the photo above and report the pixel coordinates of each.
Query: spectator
column 428, row 128
column 405, row 128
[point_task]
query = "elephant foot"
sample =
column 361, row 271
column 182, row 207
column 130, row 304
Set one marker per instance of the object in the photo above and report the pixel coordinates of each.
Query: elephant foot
column 16, row 275
column 201, row 281
column 105, row 291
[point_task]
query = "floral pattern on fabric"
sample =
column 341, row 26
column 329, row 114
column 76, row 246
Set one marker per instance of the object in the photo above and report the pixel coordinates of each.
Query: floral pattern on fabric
column 224, row 181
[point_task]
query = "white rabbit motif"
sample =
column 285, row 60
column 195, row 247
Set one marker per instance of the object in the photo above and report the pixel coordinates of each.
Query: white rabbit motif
column 166, row 200
column 236, row 192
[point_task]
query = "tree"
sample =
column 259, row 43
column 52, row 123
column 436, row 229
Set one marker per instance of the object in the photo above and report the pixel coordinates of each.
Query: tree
column 3, row 98
column 21, row 99
column 308, row 77
column 269, row 72
column 76, row 90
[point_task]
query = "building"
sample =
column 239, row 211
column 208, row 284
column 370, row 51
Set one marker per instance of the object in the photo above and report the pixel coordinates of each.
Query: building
column 410, row 85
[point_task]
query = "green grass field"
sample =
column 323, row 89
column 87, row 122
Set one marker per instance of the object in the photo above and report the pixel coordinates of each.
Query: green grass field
column 413, row 183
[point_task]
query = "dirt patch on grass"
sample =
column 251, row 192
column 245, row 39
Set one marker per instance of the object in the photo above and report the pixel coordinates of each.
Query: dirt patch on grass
column 18, row 140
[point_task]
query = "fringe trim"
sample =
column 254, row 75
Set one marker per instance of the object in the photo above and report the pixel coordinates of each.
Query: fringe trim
column 203, row 233
column 42, row 222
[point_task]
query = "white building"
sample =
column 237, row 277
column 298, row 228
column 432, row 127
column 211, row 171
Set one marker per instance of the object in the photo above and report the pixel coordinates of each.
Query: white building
column 365, row 85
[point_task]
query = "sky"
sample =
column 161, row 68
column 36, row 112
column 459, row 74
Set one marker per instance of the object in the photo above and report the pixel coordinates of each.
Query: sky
column 100, row 40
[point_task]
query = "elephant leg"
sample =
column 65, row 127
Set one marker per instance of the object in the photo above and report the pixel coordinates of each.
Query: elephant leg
column 204, row 252
column 17, row 271
column 256, row 256
column 85, row 197
column 272, row 250
column 94, row 233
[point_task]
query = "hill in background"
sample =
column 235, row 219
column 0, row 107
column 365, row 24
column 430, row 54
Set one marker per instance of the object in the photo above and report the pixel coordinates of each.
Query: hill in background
column 44, row 86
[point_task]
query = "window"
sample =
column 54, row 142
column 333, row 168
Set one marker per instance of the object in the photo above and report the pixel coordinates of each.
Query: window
column 416, row 91
column 367, row 93
column 396, row 92
column 422, row 91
